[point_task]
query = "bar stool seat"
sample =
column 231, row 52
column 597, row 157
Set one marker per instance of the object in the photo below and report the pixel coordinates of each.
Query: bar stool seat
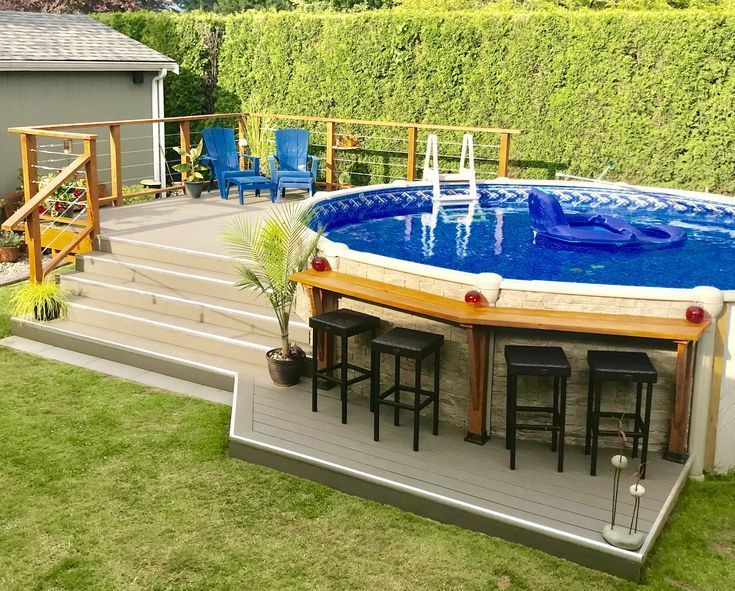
column 620, row 366
column 416, row 345
column 344, row 324
column 537, row 361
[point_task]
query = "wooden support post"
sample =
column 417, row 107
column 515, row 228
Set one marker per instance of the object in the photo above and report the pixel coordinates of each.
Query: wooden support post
column 478, row 343
column 115, row 164
column 29, row 161
column 241, row 135
column 185, row 143
column 92, row 187
column 504, row 157
column 323, row 301
column 677, row 447
column 411, row 154
column 718, row 374
column 329, row 167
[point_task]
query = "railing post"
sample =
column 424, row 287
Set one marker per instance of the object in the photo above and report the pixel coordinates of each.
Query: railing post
column 242, row 137
column 115, row 164
column 504, row 157
column 29, row 159
column 329, row 165
column 185, row 142
column 411, row 154
column 92, row 182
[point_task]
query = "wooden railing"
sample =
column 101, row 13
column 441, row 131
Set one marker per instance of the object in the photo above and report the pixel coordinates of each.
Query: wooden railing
column 65, row 235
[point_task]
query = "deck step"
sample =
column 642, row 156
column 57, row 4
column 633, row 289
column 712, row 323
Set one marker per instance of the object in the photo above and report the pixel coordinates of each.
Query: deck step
column 162, row 274
column 200, row 308
column 131, row 248
column 234, row 342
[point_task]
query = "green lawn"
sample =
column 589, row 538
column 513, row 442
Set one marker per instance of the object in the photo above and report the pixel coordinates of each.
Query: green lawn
column 105, row 484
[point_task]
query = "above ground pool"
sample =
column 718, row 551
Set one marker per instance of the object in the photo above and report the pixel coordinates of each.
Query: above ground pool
column 400, row 222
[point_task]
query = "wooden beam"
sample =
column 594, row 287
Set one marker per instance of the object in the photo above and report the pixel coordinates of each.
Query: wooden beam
column 115, row 164
column 185, row 144
column 330, row 173
column 478, row 345
column 718, row 368
column 504, row 157
column 411, row 154
column 322, row 302
column 241, row 135
column 29, row 161
column 92, row 187
column 679, row 429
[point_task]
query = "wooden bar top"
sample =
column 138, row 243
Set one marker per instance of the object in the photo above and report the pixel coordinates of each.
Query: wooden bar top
column 459, row 312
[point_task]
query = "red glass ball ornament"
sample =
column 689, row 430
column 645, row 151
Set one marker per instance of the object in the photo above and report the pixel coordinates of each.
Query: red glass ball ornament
column 695, row 314
column 474, row 297
column 320, row 264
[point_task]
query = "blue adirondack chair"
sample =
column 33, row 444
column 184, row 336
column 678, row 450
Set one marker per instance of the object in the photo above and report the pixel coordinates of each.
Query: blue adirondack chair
column 223, row 158
column 291, row 159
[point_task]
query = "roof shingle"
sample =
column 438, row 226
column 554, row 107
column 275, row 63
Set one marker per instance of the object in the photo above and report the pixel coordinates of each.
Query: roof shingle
column 30, row 40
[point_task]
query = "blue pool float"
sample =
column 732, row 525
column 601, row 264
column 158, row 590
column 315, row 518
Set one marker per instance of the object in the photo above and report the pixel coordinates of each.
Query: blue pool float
column 549, row 220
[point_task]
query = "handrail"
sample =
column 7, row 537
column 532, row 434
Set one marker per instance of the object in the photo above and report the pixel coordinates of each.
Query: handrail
column 49, row 132
column 66, row 251
column 32, row 204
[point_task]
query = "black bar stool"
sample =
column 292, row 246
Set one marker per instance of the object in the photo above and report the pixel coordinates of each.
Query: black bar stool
column 344, row 324
column 537, row 361
column 620, row 366
column 416, row 345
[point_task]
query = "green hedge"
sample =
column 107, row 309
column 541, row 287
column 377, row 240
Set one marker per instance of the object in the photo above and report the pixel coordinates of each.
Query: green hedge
column 652, row 91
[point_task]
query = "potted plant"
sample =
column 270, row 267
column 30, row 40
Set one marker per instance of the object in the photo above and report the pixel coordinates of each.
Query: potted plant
column 195, row 181
column 10, row 245
column 42, row 301
column 275, row 247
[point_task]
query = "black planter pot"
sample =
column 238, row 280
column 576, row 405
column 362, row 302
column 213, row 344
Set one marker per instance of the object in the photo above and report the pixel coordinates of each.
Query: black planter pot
column 194, row 189
column 284, row 372
column 47, row 311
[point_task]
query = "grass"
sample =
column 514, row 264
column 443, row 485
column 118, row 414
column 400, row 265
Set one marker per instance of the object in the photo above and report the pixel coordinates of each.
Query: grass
column 106, row 484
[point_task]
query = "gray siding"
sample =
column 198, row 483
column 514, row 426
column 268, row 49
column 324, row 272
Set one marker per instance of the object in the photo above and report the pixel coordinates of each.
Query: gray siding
column 35, row 98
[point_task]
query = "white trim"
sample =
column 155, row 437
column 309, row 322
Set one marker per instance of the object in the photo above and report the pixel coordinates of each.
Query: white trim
column 87, row 66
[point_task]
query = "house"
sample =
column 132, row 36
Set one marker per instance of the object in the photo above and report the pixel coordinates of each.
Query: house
column 63, row 68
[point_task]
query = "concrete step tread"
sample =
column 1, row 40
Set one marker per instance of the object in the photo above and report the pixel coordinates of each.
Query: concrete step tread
column 141, row 265
column 238, row 309
column 167, row 321
column 152, row 348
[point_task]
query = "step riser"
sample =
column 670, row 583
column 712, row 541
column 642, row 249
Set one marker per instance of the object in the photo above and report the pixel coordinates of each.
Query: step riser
column 112, row 352
column 172, row 256
column 156, row 277
column 265, row 325
column 165, row 334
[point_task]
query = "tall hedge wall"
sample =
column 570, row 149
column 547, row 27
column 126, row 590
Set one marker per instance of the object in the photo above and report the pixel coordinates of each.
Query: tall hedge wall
column 653, row 91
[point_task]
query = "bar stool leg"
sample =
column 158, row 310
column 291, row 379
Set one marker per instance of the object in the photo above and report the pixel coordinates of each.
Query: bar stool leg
column 375, row 386
column 562, row 422
column 508, row 398
column 343, row 379
column 417, row 405
column 646, row 429
column 314, row 371
column 437, row 360
column 588, row 426
column 512, row 420
column 374, row 376
column 555, row 415
column 637, row 419
column 397, row 394
column 596, row 425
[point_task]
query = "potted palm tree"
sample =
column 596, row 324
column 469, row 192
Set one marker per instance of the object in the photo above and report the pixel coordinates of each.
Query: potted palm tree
column 272, row 249
column 194, row 170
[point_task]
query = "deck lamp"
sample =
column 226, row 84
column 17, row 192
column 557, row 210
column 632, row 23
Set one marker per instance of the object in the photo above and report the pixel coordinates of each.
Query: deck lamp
column 475, row 298
column 320, row 264
column 695, row 314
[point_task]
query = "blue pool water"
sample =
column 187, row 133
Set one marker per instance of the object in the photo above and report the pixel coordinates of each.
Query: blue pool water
column 498, row 239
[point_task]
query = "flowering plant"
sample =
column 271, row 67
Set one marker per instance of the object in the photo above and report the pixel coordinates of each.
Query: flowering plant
column 68, row 198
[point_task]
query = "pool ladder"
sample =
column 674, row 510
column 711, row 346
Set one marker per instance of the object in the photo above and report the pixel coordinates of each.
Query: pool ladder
column 466, row 173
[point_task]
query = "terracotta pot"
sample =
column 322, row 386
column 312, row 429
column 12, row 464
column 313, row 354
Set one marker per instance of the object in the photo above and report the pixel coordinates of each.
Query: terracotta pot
column 9, row 254
column 284, row 372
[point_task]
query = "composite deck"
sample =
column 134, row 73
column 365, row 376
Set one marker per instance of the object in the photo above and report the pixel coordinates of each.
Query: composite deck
column 451, row 480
